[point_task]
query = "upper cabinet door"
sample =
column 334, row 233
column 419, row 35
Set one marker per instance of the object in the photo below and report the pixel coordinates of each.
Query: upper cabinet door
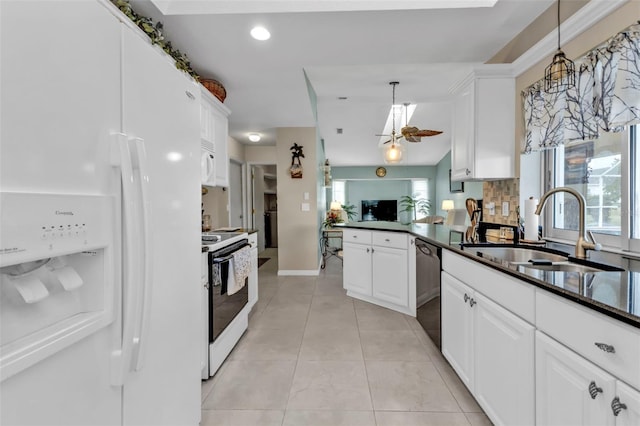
column 214, row 130
column 60, row 81
column 483, row 140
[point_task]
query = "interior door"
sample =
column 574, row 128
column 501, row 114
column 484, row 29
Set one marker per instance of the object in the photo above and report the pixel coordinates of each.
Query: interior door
column 258, row 204
column 236, row 207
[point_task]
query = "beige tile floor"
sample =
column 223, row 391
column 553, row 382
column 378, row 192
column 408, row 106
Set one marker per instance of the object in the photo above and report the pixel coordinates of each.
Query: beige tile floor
column 314, row 356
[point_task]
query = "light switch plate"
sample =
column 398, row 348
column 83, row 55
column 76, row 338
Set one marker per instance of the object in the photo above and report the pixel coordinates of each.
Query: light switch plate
column 305, row 196
column 505, row 208
column 305, row 207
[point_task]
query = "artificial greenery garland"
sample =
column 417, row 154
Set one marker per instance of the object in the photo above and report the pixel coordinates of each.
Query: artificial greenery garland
column 155, row 33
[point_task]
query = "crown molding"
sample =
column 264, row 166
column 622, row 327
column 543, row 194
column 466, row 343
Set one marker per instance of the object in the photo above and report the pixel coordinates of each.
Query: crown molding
column 573, row 26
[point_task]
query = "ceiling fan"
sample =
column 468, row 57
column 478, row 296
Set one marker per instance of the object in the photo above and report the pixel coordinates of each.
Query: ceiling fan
column 410, row 133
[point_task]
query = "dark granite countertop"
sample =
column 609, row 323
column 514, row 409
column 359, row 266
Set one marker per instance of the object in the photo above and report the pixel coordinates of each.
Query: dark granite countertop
column 616, row 294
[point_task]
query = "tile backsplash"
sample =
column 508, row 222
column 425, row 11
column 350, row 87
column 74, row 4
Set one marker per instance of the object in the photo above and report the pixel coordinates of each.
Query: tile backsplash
column 499, row 191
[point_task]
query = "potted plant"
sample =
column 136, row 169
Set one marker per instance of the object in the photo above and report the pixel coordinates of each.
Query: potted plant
column 414, row 204
column 350, row 210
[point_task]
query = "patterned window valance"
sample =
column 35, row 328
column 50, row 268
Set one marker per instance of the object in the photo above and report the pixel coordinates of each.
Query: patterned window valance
column 606, row 96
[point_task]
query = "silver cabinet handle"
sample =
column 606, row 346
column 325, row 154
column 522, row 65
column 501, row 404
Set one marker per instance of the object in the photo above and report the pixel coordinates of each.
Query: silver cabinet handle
column 387, row 240
column 604, row 347
column 354, row 236
column 467, row 171
column 189, row 95
column 466, row 298
column 472, row 302
column 617, row 406
column 372, row 250
column 594, row 390
column 367, row 249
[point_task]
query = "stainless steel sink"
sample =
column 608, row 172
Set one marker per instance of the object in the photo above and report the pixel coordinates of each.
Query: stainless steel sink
column 522, row 258
column 561, row 267
column 516, row 254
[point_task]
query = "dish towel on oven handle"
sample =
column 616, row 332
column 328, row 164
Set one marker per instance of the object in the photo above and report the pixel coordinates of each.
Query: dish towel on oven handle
column 239, row 269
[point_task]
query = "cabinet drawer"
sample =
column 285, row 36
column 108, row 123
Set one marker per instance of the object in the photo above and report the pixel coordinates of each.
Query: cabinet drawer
column 356, row 236
column 509, row 292
column 581, row 328
column 390, row 239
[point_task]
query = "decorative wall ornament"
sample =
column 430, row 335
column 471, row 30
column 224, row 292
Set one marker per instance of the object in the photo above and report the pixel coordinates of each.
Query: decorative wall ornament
column 296, row 165
column 606, row 96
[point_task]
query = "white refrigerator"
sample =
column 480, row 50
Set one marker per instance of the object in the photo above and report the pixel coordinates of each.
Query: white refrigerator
column 100, row 222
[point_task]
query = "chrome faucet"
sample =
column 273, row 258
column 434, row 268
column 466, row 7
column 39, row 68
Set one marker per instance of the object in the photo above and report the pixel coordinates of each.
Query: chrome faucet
column 582, row 245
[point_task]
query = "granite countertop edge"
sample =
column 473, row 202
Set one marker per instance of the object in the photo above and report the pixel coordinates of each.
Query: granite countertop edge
column 433, row 234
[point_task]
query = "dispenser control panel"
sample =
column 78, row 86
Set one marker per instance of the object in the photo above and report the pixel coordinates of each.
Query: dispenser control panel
column 39, row 225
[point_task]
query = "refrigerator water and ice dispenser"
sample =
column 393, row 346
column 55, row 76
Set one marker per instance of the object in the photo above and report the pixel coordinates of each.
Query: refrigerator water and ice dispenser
column 57, row 274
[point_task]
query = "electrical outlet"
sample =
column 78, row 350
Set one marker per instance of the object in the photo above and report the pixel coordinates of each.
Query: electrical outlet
column 492, row 208
column 305, row 207
column 505, row 208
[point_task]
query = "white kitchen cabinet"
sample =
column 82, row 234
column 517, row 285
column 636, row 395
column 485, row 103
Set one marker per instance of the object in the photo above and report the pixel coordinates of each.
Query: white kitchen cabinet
column 630, row 398
column 490, row 348
column 569, row 389
column 390, row 275
column 457, row 327
column 376, row 268
column 504, row 380
column 214, row 131
column 482, row 140
column 573, row 391
column 356, row 268
column 253, row 275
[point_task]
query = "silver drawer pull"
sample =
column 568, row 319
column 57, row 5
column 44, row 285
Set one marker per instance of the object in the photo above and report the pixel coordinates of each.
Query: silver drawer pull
column 466, row 298
column 604, row 347
column 594, row 390
column 387, row 240
column 189, row 95
column 367, row 249
column 355, row 236
column 617, row 406
column 472, row 302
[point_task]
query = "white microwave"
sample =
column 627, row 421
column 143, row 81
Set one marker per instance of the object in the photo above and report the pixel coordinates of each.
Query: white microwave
column 207, row 163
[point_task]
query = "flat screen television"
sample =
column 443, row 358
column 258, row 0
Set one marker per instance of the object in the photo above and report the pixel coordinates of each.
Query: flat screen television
column 380, row 210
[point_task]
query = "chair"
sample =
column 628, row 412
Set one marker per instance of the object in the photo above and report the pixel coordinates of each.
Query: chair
column 430, row 219
column 456, row 217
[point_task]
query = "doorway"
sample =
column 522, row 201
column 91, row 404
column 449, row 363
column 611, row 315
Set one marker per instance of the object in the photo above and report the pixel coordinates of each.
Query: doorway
column 264, row 204
column 236, row 209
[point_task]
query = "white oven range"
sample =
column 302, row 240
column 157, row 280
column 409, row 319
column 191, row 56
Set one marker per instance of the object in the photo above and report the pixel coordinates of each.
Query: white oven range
column 225, row 317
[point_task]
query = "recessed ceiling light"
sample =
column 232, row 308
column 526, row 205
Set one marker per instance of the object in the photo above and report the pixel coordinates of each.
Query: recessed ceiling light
column 254, row 137
column 260, row 33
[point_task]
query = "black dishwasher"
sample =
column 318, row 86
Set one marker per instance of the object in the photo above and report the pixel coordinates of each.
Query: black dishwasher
column 428, row 268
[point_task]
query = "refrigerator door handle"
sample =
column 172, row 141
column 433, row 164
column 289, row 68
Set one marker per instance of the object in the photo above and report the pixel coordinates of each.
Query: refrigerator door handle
column 121, row 357
column 140, row 337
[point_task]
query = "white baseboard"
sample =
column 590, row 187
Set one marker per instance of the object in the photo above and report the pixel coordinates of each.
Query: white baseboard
column 299, row 272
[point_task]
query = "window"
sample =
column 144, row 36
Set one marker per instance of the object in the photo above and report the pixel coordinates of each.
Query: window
column 338, row 192
column 420, row 190
column 605, row 172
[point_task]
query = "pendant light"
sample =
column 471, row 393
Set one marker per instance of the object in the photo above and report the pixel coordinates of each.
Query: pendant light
column 393, row 154
column 560, row 74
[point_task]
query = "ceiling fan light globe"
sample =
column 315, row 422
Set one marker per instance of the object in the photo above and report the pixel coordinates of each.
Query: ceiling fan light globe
column 393, row 154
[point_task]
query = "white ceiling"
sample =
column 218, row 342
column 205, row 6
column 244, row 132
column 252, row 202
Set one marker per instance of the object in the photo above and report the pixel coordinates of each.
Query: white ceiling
column 350, row 48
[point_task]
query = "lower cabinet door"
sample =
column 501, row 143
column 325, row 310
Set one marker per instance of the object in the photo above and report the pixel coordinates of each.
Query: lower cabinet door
column 391, row 275
column 569, row 389
column 356, row 269
column 457, row 327
column 630, row 398
column 504, row 380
